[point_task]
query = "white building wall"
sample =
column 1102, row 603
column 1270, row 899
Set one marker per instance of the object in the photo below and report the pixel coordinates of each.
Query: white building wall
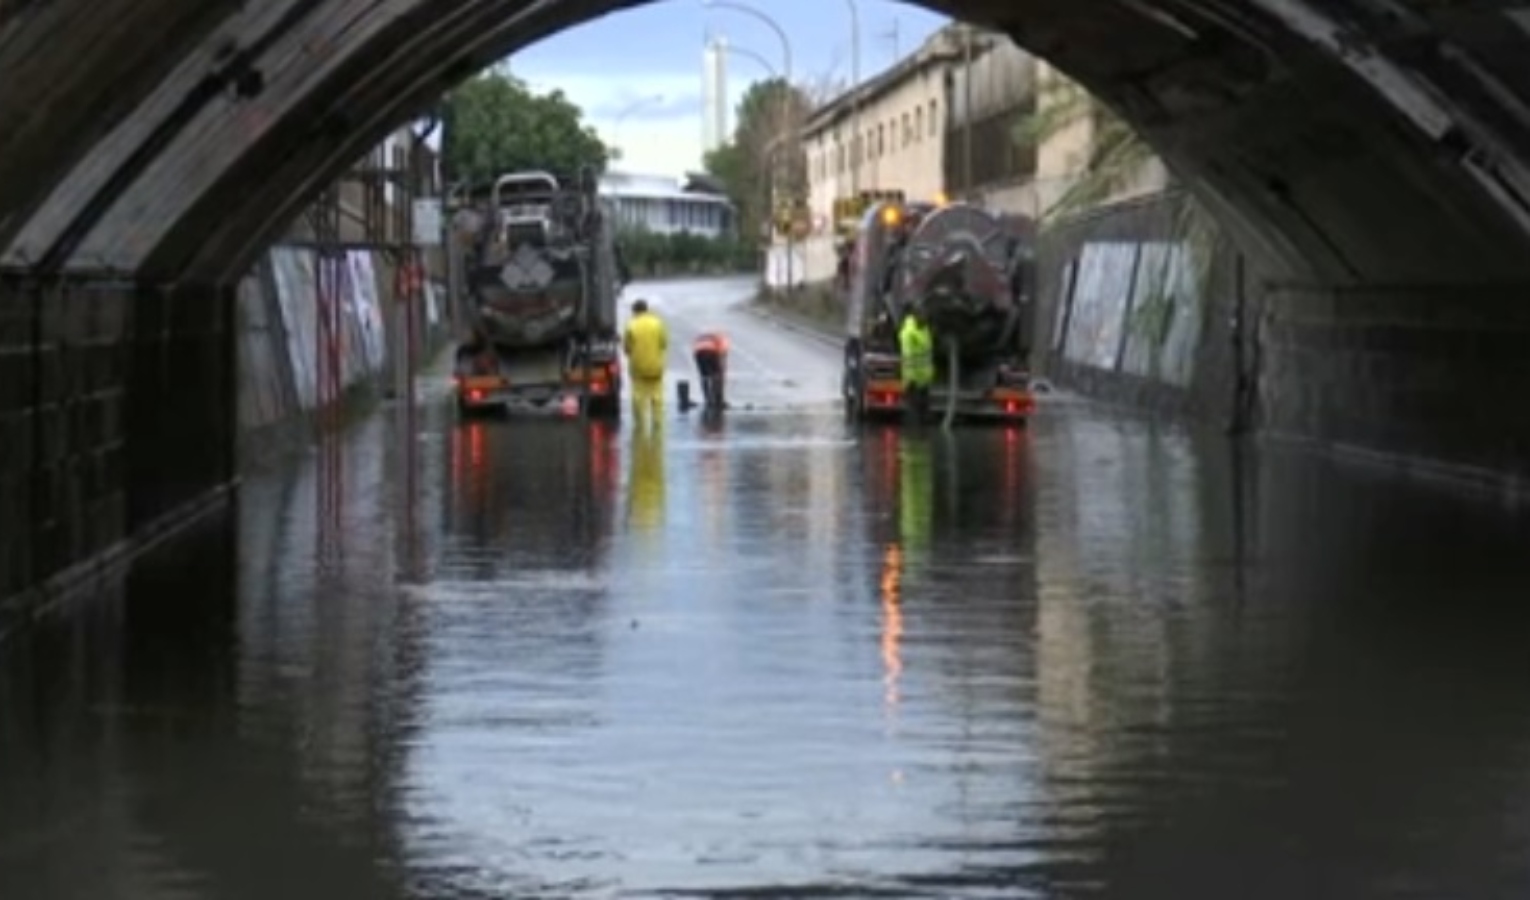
column 901, row 146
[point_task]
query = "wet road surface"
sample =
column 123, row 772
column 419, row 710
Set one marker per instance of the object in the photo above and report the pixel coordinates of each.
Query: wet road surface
column 779, row 657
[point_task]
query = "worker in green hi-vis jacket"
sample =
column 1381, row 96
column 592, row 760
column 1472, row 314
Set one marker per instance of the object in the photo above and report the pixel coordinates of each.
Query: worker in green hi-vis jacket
column 916, row 350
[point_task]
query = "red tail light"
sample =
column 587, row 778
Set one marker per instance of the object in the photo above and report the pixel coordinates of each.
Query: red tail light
column 475, row 395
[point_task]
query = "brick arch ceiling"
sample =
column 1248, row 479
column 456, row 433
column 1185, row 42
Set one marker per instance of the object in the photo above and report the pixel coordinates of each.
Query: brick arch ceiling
column 1344, row 141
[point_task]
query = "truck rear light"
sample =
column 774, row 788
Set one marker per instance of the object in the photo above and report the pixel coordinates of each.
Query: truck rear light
column 475, row 395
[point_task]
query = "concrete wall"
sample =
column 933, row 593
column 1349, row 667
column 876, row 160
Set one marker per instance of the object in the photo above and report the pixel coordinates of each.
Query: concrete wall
column 278, row 312
column 1137, row 306
column 1136, row 310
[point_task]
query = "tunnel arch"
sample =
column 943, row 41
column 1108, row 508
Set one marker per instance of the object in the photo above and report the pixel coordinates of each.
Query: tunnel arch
column 1330, row 160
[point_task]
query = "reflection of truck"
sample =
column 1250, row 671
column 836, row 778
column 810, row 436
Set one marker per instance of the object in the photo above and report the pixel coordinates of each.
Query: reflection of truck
column 968, row 269
column 542, row 278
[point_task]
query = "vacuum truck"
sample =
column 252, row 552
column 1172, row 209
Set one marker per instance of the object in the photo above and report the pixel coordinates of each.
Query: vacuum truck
column 542, row 273
column 969, row 271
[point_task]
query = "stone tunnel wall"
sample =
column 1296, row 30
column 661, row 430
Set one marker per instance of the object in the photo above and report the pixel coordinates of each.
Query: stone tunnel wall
column 115, row 424
column 1141, row 304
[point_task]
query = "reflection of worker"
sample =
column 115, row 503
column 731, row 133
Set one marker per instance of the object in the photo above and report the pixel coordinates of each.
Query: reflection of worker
column 711, row 353
column 646, row 342
column 475, row 356
column 916, row 348
column 916, row 489
column 645, row 482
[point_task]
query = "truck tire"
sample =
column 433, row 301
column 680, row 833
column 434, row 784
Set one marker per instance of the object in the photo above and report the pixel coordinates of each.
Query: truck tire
column 608, row 408
column 850, row 385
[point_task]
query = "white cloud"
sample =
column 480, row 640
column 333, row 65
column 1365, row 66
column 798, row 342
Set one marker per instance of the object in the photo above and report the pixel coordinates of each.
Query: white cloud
column 656, row 136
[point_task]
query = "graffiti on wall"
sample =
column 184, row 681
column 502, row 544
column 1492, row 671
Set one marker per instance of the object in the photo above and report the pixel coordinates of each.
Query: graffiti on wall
column 369, row 314
column 1134, row 307
column 362, row 353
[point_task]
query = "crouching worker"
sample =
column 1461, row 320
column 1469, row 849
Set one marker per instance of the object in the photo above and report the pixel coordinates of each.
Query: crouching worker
column 711, row 354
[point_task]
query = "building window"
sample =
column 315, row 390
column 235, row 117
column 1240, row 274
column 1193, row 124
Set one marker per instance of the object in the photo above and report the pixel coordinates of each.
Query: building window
column 933, row 118
column 919, row 123
column 907, row 131
column 881, row 140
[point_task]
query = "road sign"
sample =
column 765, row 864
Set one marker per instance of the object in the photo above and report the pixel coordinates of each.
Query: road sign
column 427, row 221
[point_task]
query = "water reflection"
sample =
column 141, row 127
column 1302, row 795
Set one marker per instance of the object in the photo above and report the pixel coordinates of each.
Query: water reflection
column 1102, row 658
column 508, row 478
column 645, row 482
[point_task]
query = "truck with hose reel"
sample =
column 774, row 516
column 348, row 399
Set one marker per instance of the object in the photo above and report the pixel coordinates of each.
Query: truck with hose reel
column 543, row 273
column 970, row 271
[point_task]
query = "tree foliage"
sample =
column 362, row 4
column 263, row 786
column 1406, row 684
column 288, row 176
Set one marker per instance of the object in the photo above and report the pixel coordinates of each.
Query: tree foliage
column 495, row 124
column 652, row 253
column 1117, row 157
column 764, row 156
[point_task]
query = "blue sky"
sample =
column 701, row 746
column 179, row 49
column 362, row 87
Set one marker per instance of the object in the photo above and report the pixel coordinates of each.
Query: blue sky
column 624, row 61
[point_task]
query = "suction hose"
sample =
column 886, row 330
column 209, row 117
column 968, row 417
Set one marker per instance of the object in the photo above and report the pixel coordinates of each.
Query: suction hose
column 953, row 360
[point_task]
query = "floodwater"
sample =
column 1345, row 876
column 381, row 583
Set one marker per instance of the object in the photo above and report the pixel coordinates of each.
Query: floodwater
column 778, row 656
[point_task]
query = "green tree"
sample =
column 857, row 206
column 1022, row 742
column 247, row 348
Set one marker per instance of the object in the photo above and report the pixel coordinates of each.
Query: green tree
column 1117, row 157
column 494, row 124
column 764, row 156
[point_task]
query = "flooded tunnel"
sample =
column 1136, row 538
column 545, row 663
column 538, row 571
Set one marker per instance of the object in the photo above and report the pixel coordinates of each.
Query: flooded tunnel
column 1128, row 619
column 1368, row 157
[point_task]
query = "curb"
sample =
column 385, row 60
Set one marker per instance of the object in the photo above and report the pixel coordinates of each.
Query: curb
column 808, row 331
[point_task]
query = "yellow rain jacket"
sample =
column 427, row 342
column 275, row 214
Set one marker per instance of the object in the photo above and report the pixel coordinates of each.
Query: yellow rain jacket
column 646, row 343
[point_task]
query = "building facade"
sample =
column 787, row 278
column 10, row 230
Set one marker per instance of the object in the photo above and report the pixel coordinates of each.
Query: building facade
column 666, row 205
column 887, row 134
column 992, row 98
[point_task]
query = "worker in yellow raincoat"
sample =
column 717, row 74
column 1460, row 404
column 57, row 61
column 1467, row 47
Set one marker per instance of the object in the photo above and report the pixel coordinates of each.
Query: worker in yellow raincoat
column 646, row 342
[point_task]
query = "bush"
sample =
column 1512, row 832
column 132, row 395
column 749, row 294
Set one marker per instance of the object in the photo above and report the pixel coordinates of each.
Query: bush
column 683, row 253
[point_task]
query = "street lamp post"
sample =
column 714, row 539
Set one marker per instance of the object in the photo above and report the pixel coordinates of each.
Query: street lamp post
column 764, row 63
column 786, row 44
column 624, row 112
column 855, row 99
column 786, row 114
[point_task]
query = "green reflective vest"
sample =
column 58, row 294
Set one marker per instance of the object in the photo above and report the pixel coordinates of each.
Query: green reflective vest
column 917, row 349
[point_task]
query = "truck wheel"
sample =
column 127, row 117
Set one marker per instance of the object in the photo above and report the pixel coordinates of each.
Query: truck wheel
column 850, row 389
column 608, row 408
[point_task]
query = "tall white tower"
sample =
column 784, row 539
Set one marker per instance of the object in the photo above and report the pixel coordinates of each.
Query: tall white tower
column 714, row 94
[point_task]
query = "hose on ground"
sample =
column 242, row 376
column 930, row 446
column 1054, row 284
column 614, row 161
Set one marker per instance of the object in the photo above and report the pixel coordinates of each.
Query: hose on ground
column 953, row 360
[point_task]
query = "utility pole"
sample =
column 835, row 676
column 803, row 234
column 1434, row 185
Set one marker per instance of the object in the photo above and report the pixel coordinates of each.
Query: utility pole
column 967, row 111
column 858, row 148
column 891, row 35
